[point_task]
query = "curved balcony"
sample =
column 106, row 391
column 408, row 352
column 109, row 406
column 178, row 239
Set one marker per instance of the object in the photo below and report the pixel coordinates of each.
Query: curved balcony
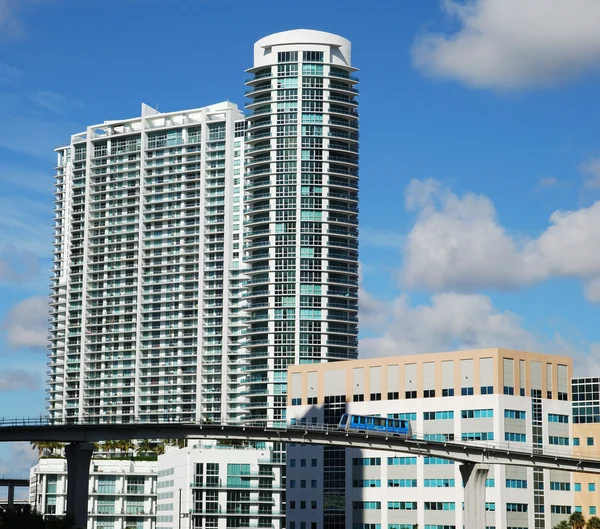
column 347, row 124
column 259, row 136
column 258, row 100
column 258, row 160
column 336, row 86
column 258, row 76
column 257, row 219
column 352, row 161
column 257, row 90
column 343, row 256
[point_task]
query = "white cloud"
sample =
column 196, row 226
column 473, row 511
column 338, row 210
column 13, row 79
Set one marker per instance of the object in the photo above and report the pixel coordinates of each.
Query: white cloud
column 50, row 101
column 26, row 323
column 592, row 290
column 513, row 44
column 10, row 23
column 26, row 223
column 550, row 181
column 380, row 239
column 19, row 459
column 374, row 314
column 8, row 73
column 450, row 322
column 17, row 267
column 591, row 171
column 458, row 244
column 13, row 379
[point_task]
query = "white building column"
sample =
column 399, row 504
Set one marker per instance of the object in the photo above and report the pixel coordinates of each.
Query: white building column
column 474, row 476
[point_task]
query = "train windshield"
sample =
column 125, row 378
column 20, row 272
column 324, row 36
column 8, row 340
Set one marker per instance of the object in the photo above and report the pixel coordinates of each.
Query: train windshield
column 344, row 420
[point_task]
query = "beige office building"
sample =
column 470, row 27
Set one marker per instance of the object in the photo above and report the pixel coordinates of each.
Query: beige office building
column 494, row 395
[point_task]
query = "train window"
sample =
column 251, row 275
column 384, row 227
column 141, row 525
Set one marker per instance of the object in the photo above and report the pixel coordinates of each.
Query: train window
column 358, row 420
column 396, row 423
column 344, row 419
column 403, row 424
column 380, row 422
column 369, row 420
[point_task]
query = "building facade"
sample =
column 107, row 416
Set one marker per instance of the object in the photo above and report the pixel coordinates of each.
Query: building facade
column 122, row 492
column 301, row 222
column 216, row 486
column 586, row 442
column 191, row 258
column 495, row 395
column 146, row 285
column 199, row 253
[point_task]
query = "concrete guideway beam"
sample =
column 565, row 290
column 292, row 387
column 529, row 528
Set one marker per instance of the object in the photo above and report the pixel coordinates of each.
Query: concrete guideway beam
column 474, row 476
column 11, row 485
column 79, row 456
column 325, row 435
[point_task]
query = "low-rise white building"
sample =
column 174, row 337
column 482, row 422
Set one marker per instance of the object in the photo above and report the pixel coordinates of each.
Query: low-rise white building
column 122, row 492
column 216, row 486
column 492, row 395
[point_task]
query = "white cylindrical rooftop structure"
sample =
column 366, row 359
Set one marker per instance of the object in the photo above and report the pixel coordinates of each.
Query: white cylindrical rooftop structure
column 339, row 48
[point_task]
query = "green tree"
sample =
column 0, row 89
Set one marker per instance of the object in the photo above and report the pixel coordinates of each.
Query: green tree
column 577, row 521
column 563, row 525
column 40, row 446
column 109, row 446
column 44, row 447
column 144, row 447
column 159, row 448
column 593, row 523
column 181, row 443
column 125, row 446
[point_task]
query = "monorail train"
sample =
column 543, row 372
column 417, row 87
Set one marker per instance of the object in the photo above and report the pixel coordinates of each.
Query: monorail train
column 366, row 423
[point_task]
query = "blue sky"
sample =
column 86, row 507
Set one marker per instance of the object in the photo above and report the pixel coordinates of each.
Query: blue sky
column 480, row 157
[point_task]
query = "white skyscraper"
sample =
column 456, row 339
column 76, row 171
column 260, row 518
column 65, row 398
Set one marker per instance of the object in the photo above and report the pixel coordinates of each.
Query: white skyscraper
column 183, row 287
column 199, row 253
column 301, row 221
column 146, row 283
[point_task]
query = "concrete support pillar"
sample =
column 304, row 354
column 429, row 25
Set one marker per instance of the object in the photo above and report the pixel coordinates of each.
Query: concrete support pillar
column 79, row 456
column 474, row 476
column 11, row 496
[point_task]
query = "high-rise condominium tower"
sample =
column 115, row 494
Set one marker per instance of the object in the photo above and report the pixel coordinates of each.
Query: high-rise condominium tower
column 183, row 286
column 146, row 281
column 301, row 210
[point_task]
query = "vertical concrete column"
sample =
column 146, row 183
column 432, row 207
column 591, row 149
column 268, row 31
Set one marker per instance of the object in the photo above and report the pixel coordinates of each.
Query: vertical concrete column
column 79, row 456
column 11, row 496
column 474, row 476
